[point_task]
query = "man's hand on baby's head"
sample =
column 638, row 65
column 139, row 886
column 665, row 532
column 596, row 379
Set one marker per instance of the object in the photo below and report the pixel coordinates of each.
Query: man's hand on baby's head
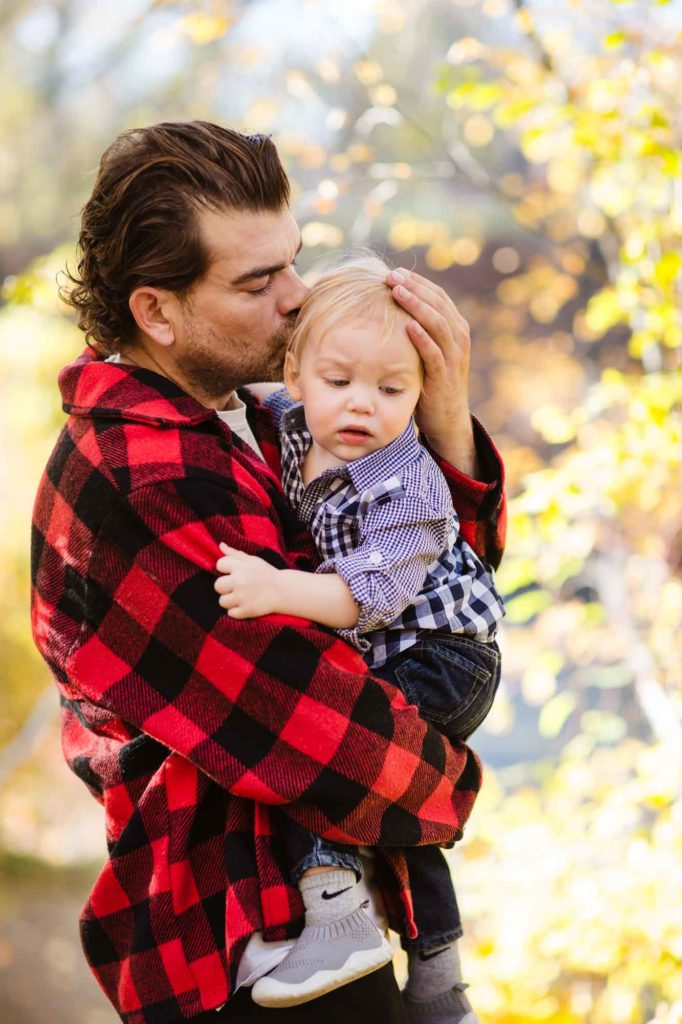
column 439, row 331
column 247, row 584
column 440, row 334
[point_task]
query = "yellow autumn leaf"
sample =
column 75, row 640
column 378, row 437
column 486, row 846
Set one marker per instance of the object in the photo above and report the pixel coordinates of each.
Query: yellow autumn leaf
column 604, row 310
column 667, row 269
column 205, row 28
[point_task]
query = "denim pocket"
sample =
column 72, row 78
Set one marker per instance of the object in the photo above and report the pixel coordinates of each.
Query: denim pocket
column 452, row 680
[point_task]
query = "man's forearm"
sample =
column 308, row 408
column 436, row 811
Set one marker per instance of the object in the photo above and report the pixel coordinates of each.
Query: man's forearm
column 458, row 448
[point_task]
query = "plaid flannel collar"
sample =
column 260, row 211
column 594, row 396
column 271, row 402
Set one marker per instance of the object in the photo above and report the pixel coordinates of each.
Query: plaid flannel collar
column 91, row 386
column 364, row 472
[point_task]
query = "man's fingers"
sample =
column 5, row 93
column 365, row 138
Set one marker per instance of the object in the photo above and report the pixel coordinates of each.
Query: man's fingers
column 427, row 292
column 433, row 322
column 430, row 353
column 423, row 289
column 415, row 282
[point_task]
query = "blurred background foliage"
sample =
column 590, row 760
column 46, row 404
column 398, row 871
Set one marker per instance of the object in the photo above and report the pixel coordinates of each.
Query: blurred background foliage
column 526, row 155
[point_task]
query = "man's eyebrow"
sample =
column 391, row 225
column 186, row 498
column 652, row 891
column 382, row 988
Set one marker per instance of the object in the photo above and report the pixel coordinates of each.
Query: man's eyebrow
column 257, row 272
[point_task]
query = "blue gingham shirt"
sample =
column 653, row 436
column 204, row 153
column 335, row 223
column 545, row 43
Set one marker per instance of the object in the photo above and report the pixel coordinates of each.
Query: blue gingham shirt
column 385, row 523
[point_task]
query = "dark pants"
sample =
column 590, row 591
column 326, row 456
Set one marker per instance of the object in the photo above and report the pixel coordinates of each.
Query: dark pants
column 452, row 680
column 374, row 999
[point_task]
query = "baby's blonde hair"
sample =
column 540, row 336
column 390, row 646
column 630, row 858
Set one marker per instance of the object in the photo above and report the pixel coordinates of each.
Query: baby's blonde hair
column 353, row 290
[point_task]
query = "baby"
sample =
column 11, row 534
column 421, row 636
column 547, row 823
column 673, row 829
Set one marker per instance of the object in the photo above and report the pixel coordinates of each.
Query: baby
column 398, row 582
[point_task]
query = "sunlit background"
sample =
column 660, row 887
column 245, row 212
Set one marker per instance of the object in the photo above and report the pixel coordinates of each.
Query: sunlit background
column 525, row 154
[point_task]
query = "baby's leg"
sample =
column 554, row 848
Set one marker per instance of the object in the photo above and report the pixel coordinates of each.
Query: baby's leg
column 339, row 942
column 435, row 990
column 306, row 853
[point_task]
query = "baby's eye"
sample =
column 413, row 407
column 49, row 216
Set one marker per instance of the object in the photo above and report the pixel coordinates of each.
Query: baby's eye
column 337, row 382
column 392, row 391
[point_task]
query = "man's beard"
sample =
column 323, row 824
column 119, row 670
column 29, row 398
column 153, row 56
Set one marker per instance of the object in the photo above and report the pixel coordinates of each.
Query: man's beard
column 215, row 366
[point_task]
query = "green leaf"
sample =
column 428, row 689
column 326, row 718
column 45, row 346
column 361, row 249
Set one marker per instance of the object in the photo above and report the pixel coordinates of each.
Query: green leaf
column 605, row 677
column 605, row 726
column 526, row 606
column 515, row 573
column 555, row 714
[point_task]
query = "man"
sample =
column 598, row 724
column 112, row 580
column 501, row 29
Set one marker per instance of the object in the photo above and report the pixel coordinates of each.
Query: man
column 196, row 731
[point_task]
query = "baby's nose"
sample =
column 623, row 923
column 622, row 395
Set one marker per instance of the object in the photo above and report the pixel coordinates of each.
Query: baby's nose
column 360, row 400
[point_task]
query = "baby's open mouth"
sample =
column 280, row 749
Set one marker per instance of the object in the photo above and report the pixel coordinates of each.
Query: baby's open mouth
column 354, row 435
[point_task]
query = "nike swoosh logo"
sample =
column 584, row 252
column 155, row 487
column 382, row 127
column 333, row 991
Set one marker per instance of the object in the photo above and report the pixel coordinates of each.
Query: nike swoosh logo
column 429, row 956
column 332, row 895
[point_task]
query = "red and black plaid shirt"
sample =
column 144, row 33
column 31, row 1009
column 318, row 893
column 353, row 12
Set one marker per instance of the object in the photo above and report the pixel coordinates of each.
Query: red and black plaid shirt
column 196, row 730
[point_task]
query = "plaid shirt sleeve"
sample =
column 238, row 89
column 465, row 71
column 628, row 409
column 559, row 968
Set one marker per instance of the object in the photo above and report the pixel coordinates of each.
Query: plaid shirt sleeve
column 275, row 710
column 480, row 504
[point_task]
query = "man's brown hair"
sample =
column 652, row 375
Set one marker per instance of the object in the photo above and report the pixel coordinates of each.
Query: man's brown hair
column 140, row 225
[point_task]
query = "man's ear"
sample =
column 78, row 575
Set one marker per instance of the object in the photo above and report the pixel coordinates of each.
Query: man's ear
column 154, row 311
column 292, row 377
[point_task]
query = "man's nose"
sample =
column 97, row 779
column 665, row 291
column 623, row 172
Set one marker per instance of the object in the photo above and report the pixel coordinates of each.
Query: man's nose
column 293, row 294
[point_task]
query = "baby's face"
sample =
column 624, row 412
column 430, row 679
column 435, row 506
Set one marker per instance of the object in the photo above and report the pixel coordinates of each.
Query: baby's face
column 358, row 389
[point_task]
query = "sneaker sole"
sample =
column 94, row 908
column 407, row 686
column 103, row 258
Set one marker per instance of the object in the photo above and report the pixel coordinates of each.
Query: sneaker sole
column 272, row 993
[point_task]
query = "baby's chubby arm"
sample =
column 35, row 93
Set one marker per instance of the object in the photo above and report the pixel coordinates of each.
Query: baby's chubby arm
column 250, row 587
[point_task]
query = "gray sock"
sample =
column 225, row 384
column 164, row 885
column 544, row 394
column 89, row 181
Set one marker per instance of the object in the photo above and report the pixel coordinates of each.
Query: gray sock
column 432, row 972
column 329, row 895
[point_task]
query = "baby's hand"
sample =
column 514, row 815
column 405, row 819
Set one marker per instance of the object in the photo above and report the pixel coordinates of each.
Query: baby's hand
column 247, row 584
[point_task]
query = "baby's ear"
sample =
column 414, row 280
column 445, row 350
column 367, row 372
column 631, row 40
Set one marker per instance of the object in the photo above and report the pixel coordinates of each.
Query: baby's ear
column 291, row 377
